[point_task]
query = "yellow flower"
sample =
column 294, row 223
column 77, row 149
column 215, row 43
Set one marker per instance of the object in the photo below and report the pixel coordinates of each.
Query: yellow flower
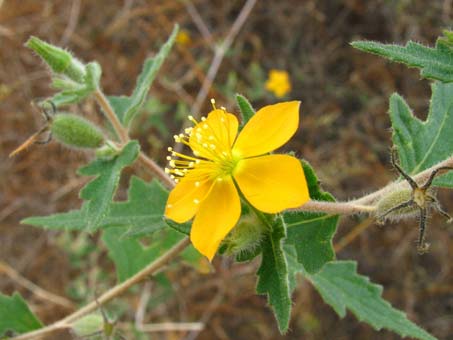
column 278, row 83
column 208, row 183
column 183, row 38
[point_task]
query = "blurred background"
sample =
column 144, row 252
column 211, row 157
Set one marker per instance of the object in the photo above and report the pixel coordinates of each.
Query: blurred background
column 344, row 133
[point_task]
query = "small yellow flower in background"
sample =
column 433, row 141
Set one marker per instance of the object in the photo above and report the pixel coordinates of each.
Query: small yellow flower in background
column 278, row 83
column 208, row 183
column 183, row 38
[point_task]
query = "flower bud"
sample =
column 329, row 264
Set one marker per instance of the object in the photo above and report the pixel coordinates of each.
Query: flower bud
column 59, row 60
column 88, row 325
column 75, row 131
column 245, row 237
column 393, row 199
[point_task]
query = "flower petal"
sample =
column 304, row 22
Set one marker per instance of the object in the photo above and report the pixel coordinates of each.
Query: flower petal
column 215, row 134
column 218, row 214
column 185, row 198
column 272, row 183
column 271, row 127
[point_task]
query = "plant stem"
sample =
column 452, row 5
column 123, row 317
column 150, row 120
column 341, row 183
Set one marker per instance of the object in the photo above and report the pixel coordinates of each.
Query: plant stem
column 123, row 135
column 110, row 294
column 111, row 116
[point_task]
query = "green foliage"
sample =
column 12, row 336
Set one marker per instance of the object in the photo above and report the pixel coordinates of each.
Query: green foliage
column 75, row 79
column 245, row 109
column 435, row 63
column 311, row 233
column 98, row 194
column 16, row 316
column 146, row 78
column 140, row 215
column 343, row 288
column 130, row 255
column 423, row 144
column 273, row 273
column 76, row 131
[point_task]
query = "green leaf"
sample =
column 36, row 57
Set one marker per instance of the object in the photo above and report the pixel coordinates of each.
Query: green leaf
column 245, row 108
column 273, row 274
column 146, row 78
column 422, row 144
column 343, row 288
column 144, row 210
column 98, row 194
column 119, row 105
column 140, row 215
column 435, row 63
column 130, row 255
column 100, row 191
column 16, row 316
column 311, row 233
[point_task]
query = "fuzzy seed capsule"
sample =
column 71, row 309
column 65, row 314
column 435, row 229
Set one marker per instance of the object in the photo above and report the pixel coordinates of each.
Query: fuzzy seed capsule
column 393, row 199
column 75, row 131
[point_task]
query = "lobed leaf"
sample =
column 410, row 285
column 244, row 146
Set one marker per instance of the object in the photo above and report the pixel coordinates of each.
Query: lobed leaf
column 343, row 288
column 98, row 195
column 273, row 274
column 311, row 233
column 15, row 315
column 421, row 144
column 435, row 63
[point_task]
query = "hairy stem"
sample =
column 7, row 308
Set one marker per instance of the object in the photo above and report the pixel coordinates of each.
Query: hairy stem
column 124, row 137
column 111, row 116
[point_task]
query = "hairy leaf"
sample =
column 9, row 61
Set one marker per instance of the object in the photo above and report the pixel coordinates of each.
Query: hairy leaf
column 343, row 288
column 311, row 233
column 435, row 63
column 146, row 78
column 245, row 108
column 98, row 194
column 273, row 274
column 15, row 315
column 130, row 256
column 422, row 144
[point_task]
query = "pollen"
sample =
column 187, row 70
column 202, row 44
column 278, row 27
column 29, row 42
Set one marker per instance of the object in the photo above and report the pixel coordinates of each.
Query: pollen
column 211, row 140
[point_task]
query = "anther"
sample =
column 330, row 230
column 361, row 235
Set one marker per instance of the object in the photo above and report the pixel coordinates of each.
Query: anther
column 170, row 149
column 196, row 201
column 213, row 103
column 167, row 170
column 169, row 206
column 197, row 184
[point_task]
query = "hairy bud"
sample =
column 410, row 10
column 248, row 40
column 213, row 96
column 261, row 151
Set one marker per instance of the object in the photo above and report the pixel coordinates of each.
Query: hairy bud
column 59, row 60
column 75, row 131
column 245, row 237
column 88, row 325
column 392, row 200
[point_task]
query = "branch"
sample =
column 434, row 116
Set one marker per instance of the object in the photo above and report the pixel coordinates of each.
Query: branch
column 110, row 294
column 124, row 137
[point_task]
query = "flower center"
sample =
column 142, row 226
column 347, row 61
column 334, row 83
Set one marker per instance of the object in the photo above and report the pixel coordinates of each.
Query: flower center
column 211, row 141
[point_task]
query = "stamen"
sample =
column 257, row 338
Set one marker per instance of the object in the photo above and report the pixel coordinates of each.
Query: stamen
column 213, row 103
